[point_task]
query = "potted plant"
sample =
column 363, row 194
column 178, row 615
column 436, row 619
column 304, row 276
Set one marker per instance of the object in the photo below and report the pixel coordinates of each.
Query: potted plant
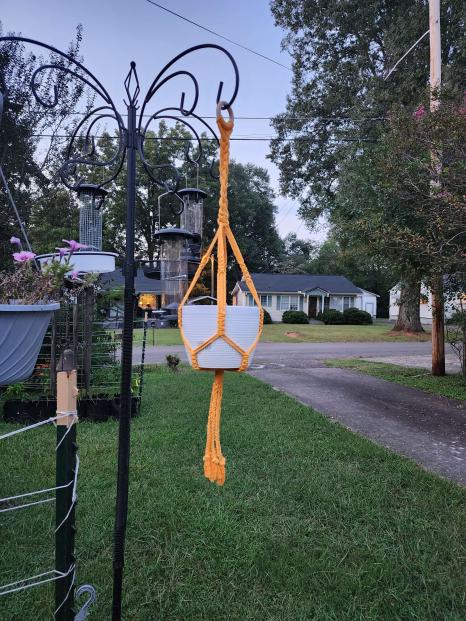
column 28, row 298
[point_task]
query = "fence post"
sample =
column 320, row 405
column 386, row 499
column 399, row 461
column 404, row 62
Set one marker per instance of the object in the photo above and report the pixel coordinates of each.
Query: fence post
column 66, row 465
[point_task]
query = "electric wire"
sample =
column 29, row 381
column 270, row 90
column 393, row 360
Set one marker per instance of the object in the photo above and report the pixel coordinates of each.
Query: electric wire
column 216, row 34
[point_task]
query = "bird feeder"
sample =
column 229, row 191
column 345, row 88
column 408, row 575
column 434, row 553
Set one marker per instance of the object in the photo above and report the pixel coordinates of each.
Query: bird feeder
column 191, row 217
column 91, row 198
column 91, row 259
column 173, row 263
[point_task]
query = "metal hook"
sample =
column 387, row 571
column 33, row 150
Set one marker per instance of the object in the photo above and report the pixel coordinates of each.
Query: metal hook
column 92, row 598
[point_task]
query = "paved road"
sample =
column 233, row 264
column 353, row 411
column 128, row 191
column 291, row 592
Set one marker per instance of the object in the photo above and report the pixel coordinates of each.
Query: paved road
column 297, row 355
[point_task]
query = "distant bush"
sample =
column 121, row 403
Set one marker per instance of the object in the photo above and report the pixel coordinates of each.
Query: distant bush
column 458, row 318
column 267, row 317
column 331, row 317
column 291, row 316
column 354, row 316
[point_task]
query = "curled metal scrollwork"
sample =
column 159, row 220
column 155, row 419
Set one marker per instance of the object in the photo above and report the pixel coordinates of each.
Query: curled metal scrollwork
column 82, row 153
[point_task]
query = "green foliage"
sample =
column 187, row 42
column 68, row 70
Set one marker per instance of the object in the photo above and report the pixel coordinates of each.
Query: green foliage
column 267, row 317
column 331, row 317
column 29, row 167
column 458, row 318
column 14, row 392
column 341, row 51
column 356, row 317
column 292, row 316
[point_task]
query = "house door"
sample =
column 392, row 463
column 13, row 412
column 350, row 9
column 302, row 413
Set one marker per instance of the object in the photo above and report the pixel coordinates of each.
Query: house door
column 370, row 308
column 312, row 308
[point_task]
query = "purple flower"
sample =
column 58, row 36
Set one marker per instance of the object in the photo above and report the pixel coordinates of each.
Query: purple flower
column 74, row 275
column 23, row 256
column 15, row 241
column 74, row 245
column 62, row 251
column 419, row 112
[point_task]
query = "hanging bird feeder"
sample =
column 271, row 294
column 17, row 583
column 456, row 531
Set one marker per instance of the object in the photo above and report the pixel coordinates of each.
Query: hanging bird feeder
column 91, row 259
column 173, row 263
column 191, row 217
column 220, row 337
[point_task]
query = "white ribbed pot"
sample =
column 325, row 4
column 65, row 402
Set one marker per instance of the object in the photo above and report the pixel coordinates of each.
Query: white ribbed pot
column 200, row 323
column 22, row 330
column 85, row 261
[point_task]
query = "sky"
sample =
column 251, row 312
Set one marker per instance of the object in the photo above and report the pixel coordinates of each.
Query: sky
column 118, row 31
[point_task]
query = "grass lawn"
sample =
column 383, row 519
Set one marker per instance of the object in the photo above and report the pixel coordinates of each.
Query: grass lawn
column 313, row 522
column 298, row 333
column 449, row 386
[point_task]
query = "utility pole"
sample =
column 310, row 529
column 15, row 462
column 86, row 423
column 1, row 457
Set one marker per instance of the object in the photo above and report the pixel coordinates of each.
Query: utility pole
column 438, row 336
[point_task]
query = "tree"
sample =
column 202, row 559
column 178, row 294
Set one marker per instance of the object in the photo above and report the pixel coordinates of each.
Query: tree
column 338, row 255
column 387, row 201
column 252, row 210
column 297, row 255
column 27, row 160
column 339, row 99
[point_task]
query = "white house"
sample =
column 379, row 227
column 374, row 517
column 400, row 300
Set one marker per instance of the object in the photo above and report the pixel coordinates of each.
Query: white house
column 310, row 293
column 425, row 304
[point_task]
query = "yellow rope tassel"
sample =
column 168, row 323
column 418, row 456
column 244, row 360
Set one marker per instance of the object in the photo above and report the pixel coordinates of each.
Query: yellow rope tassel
column 214, row 461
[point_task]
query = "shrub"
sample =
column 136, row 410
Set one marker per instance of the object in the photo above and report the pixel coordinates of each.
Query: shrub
column 267, row 317
column 331, row 317
column 354, row 316
column 291, row 316
column 458, row 318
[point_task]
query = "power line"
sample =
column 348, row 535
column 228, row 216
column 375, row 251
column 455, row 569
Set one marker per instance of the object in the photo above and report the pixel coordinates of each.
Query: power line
column 207, row 139
column 248, row 49
column 329, row 119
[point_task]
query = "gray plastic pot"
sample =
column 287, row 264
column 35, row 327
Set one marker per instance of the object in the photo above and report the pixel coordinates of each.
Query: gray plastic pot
column 22, row 330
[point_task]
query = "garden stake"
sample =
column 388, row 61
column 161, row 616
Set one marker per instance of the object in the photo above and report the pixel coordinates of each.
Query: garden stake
column 65, row 473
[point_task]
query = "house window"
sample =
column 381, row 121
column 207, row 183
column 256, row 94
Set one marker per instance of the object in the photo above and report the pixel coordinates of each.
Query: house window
column 287, row 302
column 250, row 300
column 348, row 301
column 266, row 300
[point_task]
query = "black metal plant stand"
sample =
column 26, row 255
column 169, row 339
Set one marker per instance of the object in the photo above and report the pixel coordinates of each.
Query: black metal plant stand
column 80, row 155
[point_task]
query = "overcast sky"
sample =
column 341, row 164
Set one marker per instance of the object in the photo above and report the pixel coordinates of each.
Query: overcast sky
column 118, row 31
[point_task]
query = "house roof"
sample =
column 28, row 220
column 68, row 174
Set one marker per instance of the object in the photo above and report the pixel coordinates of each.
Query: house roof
column 292, row 283
column 142, row 284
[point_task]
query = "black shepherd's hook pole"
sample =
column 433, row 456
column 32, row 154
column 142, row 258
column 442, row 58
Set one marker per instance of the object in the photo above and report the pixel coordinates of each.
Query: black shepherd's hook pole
column 126, row 355
column 81, row 154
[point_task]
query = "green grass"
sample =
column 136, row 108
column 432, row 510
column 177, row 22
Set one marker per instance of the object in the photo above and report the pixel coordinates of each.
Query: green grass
column 315, row 333
column 313, row 522
column 298, row 333
column 449, row 386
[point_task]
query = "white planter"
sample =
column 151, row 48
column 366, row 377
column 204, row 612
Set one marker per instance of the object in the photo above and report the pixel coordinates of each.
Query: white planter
column 200, row 323
column 22, row 330
column 85, row 261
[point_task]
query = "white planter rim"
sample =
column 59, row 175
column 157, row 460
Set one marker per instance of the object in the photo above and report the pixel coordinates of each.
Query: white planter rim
column 36, row 308
column 76, row 254
column 85, row 261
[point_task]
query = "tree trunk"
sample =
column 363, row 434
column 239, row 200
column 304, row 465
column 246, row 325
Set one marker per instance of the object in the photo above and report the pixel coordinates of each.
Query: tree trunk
column 438, row 328
column 408, row 314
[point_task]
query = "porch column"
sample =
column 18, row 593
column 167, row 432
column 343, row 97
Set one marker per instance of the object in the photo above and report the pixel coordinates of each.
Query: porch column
column 322, row 303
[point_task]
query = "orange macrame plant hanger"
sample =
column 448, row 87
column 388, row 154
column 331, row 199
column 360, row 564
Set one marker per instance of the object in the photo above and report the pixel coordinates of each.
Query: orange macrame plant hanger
column 214, row 461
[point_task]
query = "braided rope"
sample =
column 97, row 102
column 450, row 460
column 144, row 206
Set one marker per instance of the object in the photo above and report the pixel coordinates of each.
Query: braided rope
column 214, row 461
